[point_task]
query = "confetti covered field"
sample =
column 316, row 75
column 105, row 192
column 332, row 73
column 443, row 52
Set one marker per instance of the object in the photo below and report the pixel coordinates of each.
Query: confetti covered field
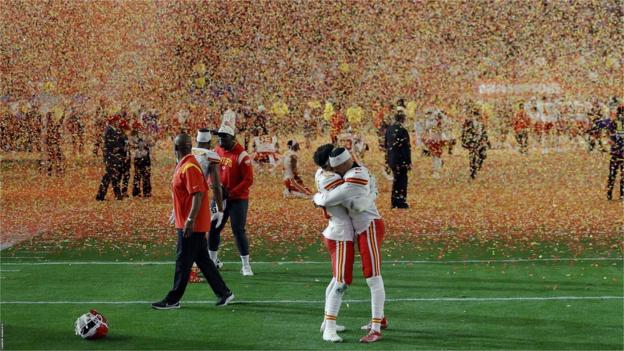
column 500, row 248
column 491, row 131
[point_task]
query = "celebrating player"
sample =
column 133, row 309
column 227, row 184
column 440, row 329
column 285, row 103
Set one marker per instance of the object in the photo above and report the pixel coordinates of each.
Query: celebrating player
column 339, row 242
column 357, row 193
column 292, row 181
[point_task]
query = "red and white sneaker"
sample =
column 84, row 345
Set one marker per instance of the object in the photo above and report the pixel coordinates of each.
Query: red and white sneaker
column 384, row 325
column 372, row 336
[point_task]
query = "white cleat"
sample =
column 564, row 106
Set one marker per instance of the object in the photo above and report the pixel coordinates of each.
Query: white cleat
column 339, row 328
column 218, row 264
column 331, row 336
column 246, row 271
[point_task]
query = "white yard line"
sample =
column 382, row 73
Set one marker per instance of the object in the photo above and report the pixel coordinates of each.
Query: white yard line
column 406, row 299
column 517, row 260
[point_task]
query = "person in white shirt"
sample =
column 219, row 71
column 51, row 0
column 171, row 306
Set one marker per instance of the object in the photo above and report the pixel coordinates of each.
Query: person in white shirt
column 209, row 161
column 265, row 151
column 338, row 238
column 357, row 194
column 293, row 184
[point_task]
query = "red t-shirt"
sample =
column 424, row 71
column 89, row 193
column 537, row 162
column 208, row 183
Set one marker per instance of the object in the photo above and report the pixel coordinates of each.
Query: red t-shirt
column 188, row 179
column 235, row 171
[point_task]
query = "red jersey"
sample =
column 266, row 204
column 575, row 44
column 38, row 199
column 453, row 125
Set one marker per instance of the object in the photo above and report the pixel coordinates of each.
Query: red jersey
column 188, row 179
column 235, row 171
column 521, row 121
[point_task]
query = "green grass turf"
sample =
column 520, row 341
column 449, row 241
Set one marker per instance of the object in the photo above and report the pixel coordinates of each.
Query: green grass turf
column 260, row 320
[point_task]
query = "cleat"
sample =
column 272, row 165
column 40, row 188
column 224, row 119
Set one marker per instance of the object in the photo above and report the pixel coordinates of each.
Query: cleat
column 384, row 325
column 331, row 336
column 164, row 305
column 246, row 271
column 218, row 264
column 224, row 300
column 371, row 337
column 339, row 328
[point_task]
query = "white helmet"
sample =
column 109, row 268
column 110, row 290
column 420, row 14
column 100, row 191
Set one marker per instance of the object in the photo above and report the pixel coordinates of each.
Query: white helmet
column 91, row 326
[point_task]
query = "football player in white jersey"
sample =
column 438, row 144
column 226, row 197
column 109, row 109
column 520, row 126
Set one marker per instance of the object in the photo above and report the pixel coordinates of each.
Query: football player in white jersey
column 293, row 184
column 265, row 151
column 209, row 161
column 338, row 237
column 357, row 193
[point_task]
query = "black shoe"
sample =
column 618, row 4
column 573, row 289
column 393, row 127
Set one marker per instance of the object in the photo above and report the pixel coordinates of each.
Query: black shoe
column 164, row 305
column 224, row 300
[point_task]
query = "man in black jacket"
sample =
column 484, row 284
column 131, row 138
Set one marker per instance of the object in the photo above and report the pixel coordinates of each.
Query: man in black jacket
column 399, row 159
column 475, row 140
column 114, row 152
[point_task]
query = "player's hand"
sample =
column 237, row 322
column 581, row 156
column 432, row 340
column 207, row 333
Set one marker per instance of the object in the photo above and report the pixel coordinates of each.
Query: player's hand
column 217, row 217
column 188, row 229
column 318, row 199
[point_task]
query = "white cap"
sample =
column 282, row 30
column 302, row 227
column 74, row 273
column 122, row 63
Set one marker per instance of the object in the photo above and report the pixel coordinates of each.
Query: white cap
column 226, row 130
column 340, row 158
column 203, row 137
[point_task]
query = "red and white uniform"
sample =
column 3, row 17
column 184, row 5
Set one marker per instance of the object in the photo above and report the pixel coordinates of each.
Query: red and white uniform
column 339, row 233
column 292, row 181
column 358, row 194
column 266, row 149
column 204, row 157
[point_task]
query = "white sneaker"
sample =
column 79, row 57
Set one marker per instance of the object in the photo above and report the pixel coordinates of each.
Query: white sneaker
column 339, row 328
column 331, row 336
column 246, row 271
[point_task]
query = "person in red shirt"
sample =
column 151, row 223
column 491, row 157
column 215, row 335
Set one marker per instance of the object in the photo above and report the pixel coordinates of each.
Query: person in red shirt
column 236, row 175
column 192, row 221
column 521, row 124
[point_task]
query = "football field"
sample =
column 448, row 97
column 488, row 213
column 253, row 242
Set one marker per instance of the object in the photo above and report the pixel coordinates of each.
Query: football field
column 454, row 304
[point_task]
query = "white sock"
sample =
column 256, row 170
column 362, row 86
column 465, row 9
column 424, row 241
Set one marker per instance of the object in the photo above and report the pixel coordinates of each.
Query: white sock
column 245, row 260
column 213, row 255
column 334, row 299
column 328, row 290
column 378, row 297
column 437, row 164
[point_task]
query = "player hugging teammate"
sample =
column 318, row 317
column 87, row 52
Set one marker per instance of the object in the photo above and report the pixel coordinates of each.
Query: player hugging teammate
column 347, row 194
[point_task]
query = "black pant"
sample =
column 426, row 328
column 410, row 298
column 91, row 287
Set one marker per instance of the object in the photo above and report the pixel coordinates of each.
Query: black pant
column 112, row 175
column 477, row 155
column 523, row 140
column 189, row 250
column 614, row 164
column 125, row 175
column 399, row 188
column 236, row 211
column 142, row 175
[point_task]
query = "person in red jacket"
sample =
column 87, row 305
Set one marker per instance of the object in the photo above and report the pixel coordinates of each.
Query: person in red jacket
column 236, row 175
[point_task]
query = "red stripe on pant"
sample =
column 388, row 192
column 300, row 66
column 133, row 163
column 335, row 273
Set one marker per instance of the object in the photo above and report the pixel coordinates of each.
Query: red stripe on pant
column 342, row 256
column 369, row 244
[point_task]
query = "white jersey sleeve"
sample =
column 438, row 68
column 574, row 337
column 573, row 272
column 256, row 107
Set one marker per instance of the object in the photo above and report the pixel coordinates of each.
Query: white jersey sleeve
column 326, row 180
column 356, row 185
column 205, row 157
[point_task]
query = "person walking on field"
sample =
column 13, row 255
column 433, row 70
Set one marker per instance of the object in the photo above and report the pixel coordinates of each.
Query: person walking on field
column 236, row 174
column 192, row 221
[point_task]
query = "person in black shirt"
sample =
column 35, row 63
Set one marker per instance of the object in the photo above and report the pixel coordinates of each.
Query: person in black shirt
column 475, row 139
column 114, row 157
column 399, row 159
